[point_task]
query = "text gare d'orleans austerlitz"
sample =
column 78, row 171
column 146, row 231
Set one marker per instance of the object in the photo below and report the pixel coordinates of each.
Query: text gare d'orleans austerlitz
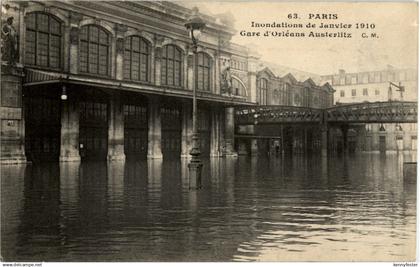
column 330, row 29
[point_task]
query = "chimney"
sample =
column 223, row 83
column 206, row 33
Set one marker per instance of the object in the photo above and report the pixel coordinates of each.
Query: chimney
column 341, row 72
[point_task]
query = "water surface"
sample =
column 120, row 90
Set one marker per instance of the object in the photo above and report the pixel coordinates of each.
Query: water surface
column 250, row 209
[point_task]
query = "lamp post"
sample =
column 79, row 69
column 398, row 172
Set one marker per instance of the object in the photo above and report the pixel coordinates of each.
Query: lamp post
column 194, row 26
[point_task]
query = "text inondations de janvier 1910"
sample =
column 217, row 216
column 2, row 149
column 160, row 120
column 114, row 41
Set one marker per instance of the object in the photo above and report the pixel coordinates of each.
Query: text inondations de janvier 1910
column 296, row 25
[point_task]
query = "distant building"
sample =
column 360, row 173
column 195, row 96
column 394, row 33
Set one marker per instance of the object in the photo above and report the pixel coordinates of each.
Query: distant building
column 372, row 86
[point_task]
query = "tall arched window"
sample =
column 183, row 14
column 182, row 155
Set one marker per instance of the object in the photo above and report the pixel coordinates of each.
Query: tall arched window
column 94, row 50
column 238, row 88
column 136, row 58
column 262, row 87
column 171, row 66
column 43, row 40
column 203, row 72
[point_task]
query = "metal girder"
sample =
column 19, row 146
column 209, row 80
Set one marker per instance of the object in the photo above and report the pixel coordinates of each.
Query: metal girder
column 378, row 112
column 277, row 114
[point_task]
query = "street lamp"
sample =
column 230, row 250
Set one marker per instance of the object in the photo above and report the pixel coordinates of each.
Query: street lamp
column 194, row 26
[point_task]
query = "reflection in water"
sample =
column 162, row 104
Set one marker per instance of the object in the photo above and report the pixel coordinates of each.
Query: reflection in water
column 250, row 208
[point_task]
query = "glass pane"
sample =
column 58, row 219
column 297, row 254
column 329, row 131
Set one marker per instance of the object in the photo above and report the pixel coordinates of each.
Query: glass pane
column 143, row 67
column 94, row 33
column 170, row 72
column 83, row 33
column 55, row 51
column 103, row 37
column 170, row 51
column 206, row 85
column 42, row 49
column 30, row 21
column 135, row 44
column 103, row 60
column 178, row 54
column 30, row 47
column 135, row 66
column 200, row 78
column 42, row 22
column 93, row 58
column 126, row 65
column 55, row 26
column 83, row 56
column 177, row 72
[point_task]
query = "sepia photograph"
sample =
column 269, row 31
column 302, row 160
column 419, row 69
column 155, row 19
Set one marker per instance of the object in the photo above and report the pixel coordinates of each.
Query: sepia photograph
column 205, row 131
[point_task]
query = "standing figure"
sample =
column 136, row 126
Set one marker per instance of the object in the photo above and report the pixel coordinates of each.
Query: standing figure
column 226, row 81
column 9, row 37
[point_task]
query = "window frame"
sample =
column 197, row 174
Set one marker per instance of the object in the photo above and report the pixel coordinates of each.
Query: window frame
column 174, row 60
column 209, row 69
column 148, row 55
column 109, row 52
column 262, row 91
column 60, row 57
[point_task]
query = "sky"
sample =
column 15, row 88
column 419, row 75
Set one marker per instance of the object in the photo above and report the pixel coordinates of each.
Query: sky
column 395, row 25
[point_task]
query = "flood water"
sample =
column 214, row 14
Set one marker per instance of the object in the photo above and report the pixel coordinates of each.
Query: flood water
column 250, row 209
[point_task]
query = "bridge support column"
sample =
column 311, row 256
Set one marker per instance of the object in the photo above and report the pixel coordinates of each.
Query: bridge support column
column 116, row 130
column 324, row 141
column 154, row 150
column 230, row 131
column 344, row 132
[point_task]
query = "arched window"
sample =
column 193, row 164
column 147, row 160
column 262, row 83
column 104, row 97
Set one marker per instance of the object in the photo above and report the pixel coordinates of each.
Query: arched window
column 238, row 88
column 203, row 72
column 171, row 66
column 94, row 50
column 43, row 40
column 262, row 87
column 136, row 58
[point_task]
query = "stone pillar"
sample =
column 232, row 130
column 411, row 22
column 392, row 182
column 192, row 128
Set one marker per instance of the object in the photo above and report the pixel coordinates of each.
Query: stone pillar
column 12, row 116
column 217, row 75
column 158, row 55
column 252, row 77
column 119, row 61
column 186, row 135
column 230, row 132
column 324, row 141
column 116, row 129
column 74, row 50
column 69, row 147
column 154, row 150
column 215, row 133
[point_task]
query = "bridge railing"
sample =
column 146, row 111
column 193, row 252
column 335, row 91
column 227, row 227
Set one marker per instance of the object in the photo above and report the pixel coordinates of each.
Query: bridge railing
column 277, row 114
column 376, row 112
column 368, row 112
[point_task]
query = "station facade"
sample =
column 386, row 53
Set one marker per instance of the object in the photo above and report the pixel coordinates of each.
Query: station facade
column 113, row 80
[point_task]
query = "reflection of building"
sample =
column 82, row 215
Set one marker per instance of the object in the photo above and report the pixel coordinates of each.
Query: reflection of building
column 107, row 80
column 375, row 86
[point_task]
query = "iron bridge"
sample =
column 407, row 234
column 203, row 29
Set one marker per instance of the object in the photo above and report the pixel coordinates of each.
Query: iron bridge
column 368, row 112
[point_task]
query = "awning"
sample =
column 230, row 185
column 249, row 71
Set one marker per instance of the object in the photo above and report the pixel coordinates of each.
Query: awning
column 39, row 77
